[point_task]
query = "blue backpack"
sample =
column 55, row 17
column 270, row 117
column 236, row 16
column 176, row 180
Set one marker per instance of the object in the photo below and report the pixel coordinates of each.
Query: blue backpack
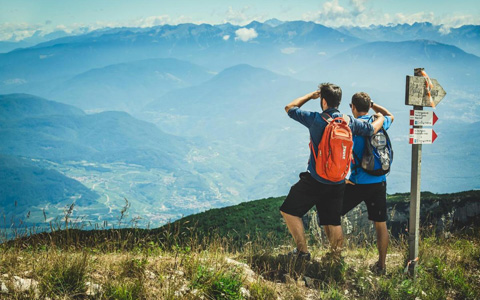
column 377, row 154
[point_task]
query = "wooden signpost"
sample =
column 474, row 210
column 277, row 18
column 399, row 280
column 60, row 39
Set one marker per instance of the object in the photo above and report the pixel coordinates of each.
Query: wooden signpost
column 419, row 94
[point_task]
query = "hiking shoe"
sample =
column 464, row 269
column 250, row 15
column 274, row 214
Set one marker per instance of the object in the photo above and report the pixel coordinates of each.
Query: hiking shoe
column 377, row 270
column 299, row 255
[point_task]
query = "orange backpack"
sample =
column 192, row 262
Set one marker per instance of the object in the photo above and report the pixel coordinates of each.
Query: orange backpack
column 334, row 150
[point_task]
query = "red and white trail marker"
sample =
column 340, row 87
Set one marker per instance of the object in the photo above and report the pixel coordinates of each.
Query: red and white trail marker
column 422, row 118
column 422, row 136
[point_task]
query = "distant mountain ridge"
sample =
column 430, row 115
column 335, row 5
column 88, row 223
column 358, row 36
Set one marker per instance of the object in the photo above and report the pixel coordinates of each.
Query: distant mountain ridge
column 39, row 69
column 128, row 86
column 466, row 37
column 20, row 106
column 51, row 131
column 40, row 188
column 387, row 63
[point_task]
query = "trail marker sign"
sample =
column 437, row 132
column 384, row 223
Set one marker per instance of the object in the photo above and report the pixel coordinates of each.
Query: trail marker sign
column 420, row 92
column 422, row 136
column 416, row 94
column 422, row 118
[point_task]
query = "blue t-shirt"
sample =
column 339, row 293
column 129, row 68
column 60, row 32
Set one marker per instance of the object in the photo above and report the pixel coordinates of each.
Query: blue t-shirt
column 316, row 126
column 358, row 175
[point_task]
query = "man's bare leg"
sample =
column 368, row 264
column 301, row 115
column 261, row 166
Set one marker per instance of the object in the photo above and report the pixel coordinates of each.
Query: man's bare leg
column 382, row 242
column 295, row 226
column 335, row 237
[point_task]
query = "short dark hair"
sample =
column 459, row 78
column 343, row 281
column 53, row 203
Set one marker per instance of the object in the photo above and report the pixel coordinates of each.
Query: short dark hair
column 361, row 101
column 332, row 93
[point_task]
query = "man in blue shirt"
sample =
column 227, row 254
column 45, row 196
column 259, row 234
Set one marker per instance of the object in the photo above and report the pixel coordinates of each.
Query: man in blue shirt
column 313, row 190
column 362, row 186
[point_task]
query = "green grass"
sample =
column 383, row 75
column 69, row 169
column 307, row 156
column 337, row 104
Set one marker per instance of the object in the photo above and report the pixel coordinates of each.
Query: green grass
column 191, row 260
column 66, row 276
column 124, row 290
column 448, row 268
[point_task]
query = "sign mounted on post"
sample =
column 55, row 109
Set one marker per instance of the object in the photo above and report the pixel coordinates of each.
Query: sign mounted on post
column 416, row 94
column 422, row 136
column 422, row 118
column 421, row 91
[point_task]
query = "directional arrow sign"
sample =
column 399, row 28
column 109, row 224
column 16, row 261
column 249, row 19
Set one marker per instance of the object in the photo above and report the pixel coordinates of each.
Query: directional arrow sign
column 417, row 94
column 422, row 118
column 422, row 136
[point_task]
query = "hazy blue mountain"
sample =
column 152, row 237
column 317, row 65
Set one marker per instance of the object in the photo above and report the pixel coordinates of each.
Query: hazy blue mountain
column 128, row 86
column 282, row 48
column 118, row 156
column 105, row 137
column 36, row 38
column 383, row 65
column 239, row 98
column 20, row 106
column 466, row 37
column 7, row 46
column 273, row 22
column 26, row 187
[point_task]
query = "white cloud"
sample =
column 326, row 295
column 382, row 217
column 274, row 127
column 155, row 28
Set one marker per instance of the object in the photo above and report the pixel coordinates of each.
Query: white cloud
column 357, row 13
column 241, row 16
column 151, row 21
column 444, row 30
column 226, row 37
column 19, row 31
column 358, row 6
column 236, row 16
column 245, row 34
column 334, row 9
column 289, row 50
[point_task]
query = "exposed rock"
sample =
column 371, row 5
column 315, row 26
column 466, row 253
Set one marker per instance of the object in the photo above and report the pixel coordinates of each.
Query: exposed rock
column 179, row 273
column 182, row 291
column 93, row 289
column 3, row 288
column 249, row 273
column 150, row 275
column 244, row 292
column 23, row 285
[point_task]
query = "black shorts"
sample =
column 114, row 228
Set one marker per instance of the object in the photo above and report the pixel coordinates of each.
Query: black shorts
column 374, row 195
column 309, row 192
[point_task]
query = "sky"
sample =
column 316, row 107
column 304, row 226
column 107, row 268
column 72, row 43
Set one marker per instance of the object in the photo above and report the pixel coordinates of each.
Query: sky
column 20, row 19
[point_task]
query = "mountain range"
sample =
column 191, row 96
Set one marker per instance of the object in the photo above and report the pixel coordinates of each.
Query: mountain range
column 466, row 37
column 41, row 68
column 178, row 119
column 128, row 86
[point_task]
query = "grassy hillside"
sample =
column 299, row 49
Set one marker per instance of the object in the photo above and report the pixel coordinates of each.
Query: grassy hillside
column 262, row 219
column 237, row 252
column 118, row 268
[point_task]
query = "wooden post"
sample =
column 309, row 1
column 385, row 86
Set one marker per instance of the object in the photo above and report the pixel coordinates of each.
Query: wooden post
column 413, row 228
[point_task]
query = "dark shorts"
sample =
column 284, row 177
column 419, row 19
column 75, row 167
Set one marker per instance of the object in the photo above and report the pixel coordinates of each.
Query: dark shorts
column 374, row 195
column 308, row 192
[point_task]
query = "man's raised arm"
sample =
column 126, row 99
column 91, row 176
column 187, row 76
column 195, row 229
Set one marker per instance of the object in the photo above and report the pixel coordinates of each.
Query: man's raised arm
column 378, row 122
column 302, row 100
column 380, row 109
column 365, row 128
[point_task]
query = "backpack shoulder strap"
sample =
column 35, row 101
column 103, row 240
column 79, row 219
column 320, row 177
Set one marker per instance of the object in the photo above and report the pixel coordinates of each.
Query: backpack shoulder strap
column 346, row 118
column 326, row 117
